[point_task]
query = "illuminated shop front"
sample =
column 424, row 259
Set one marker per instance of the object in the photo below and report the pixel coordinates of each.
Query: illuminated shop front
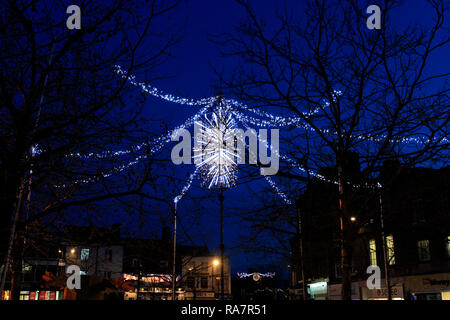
column 152, row 287
column 429, row 287
column 334, row 291
column 35, row 295
column 318, row 290
column 417, row 287
column 397, row 292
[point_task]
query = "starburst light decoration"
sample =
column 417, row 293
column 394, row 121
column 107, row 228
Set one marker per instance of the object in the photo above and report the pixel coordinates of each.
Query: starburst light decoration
column 216, row 155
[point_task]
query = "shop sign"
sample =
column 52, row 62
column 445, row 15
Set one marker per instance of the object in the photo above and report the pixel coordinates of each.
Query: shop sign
column 42, row 295
column 396, row 292
column 436, row 282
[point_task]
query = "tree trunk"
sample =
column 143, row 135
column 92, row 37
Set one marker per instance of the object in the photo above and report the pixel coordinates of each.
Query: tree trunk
column 346, row 249
column 16, row 263
column 346, row 261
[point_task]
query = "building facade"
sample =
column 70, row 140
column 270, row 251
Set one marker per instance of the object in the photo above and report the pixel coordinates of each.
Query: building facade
column 201, row 277
column 413, row 206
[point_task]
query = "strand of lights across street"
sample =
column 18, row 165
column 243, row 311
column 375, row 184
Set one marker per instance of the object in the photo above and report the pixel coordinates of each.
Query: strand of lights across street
column 268, row 119
column 215, row 178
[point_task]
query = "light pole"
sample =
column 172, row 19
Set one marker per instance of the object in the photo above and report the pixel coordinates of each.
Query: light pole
column 214, row 265
column 300, row 238
column 386, row 263
column 174, row 250
column 222, row 249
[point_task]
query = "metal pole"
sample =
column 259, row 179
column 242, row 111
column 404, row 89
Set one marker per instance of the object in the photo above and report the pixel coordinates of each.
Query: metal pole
column 346, row 264
column 221, row 246
column 386, row 263
column 139, row 282
column 300, row 237
column 174, row 252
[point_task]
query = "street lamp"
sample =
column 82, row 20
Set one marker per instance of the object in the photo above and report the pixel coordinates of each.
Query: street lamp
column 215, row 263
column 174, row 249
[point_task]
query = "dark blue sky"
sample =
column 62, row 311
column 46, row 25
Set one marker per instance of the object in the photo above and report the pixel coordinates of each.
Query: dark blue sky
column 192, row 71
column 192, row 68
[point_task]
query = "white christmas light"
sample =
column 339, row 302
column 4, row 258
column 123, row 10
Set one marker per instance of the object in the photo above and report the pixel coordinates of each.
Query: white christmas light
column 216, row 152
column 186, row 186
column 219, row 166
column 246, row 275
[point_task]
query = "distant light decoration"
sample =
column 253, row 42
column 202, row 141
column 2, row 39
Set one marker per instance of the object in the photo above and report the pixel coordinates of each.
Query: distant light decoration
column 256, row 276
column 216, row 149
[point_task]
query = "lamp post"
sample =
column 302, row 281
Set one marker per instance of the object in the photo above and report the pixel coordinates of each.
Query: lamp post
column 218, row 153
column 222, row 249
column 386, row 263
column 300, row 238
column 216, row 262
column 174, row 250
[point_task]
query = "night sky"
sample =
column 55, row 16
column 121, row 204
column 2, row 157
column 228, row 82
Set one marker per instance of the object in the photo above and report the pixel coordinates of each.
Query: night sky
column 192, row 75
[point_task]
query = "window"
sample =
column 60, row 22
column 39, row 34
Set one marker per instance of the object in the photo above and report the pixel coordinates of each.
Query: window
column 27, row 272
column 164, row 264
column 418, row 211
column 337, row 270
column 108, row 255
column 390, row 249
column 427, row 296
column 372, row 252
column 448, row 246
column 204, row 282
column 424, row 250
column 190, row 282
column 84, row 254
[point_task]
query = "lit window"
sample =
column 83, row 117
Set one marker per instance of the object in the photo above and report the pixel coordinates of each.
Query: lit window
column 390, row 251
column 424, row 250
column 448, row 246
column 373, row 252
column 84, row 254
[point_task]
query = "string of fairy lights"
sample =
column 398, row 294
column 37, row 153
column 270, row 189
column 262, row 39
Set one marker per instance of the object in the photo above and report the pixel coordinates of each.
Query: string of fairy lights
column 217, row 162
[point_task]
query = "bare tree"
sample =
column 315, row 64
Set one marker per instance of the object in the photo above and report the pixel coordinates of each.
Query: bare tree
column 342, row 88
column 64, row 111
